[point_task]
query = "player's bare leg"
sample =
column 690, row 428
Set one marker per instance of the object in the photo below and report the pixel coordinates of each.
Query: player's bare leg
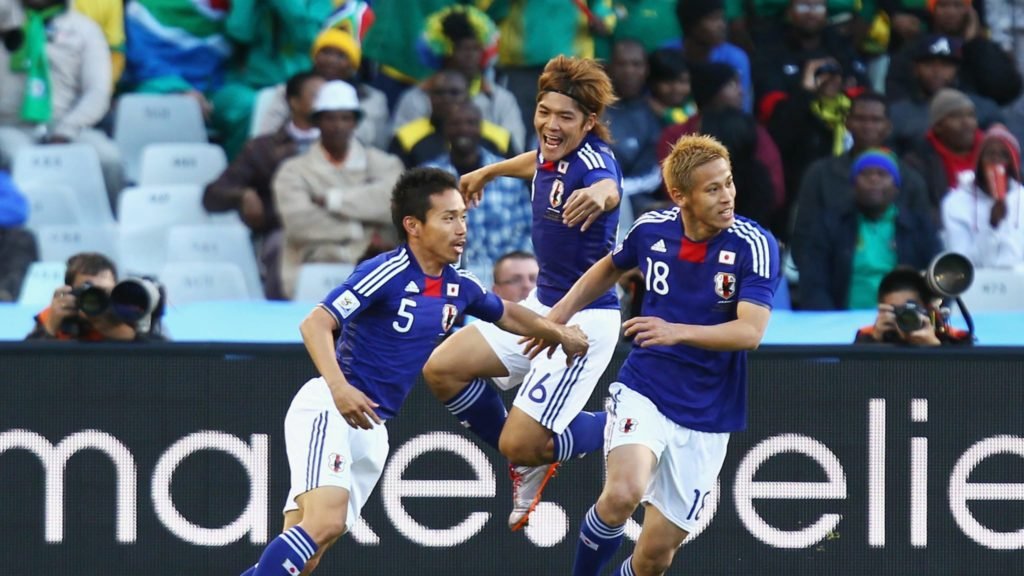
column 292, row 518
column 658, row 543
column 525, row 442
column 461, row 358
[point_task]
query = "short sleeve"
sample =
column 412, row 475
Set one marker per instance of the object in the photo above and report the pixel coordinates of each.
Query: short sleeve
column 625, row 255
column 365, row 286
column 759, row 265
column 599, row 164
column 480, row 303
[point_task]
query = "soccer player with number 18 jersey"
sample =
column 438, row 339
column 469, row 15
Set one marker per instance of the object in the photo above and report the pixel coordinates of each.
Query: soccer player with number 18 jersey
column 710, row 280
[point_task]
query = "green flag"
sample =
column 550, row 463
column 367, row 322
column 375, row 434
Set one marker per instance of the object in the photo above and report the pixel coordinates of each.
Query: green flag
column 31, row 59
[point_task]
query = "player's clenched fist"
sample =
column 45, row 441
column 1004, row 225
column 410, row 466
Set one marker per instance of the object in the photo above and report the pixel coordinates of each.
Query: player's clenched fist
column 574, row 343
column 355, row 407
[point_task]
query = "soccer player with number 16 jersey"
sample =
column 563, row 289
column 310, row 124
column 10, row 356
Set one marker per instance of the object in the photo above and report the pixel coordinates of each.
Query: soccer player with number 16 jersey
column 710, row 280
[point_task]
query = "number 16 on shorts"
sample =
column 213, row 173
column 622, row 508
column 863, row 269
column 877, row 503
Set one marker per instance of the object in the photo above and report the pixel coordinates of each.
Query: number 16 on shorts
column 534, row 388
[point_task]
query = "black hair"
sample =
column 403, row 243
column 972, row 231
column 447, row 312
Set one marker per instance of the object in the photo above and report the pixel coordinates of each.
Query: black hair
column 88, row 263
column 293, row 89
column 904, row 278
column 870, row 96
column 412, row 192
column 665, row 65
column 456, row 27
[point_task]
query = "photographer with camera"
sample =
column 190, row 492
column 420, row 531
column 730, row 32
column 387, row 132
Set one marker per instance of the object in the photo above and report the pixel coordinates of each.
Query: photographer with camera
column 93, row 306
column 909, row 313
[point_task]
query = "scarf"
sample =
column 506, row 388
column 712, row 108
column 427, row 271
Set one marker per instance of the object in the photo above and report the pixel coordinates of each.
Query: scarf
column 31, row 60
column 832, row 112
column 952, row 162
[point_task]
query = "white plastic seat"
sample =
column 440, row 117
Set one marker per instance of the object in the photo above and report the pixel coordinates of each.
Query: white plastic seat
column 58, row 243
column 995, row 289
column 147, row 214
column 317, row 279
column 214, row 243
column 75, row 166
column 264, row 99
column 40, row 282
column 143, row 119
column 188, row 163
column 51, row 204
column 188, row 282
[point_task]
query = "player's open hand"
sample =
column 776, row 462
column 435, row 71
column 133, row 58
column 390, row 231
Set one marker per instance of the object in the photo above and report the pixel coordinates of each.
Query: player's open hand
column 355, row 407
column 471, row 186
column 651, row 331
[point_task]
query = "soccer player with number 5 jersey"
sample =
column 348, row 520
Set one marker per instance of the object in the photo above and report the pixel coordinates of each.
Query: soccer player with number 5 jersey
column 391, row 312
column 710, row 280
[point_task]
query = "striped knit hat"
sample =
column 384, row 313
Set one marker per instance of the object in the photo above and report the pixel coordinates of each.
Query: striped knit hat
column 876, row 158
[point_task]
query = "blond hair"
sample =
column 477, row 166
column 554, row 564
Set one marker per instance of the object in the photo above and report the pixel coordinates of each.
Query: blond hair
column 689, row 153
column 583, row 80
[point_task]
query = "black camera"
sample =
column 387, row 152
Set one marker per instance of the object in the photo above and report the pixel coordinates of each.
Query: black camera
column 135, row 301
column 910, row 317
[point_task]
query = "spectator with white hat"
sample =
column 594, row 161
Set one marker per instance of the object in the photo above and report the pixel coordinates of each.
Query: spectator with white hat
column 334, row 200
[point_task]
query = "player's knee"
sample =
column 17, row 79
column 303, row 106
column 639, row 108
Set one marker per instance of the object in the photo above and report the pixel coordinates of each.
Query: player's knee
column 441, row 379
column 520, row 450
column 618, row 501
column 652, row 562
column 324, row 529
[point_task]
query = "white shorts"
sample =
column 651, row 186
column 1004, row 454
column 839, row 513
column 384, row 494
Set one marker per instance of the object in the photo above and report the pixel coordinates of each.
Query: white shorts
column 688, row 460
column 323, row 450
column 553, row 393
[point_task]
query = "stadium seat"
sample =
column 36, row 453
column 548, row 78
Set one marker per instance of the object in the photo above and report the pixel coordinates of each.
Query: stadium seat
column 42, row 279
column 146, row 215
column 187, row 282
column 264, row 99
column 51, row 204
column 58, row 243
column 995, row 289
column 143, row 119
column 188, row 163
column 75, row 166
column 213, row 244
column 317, row 279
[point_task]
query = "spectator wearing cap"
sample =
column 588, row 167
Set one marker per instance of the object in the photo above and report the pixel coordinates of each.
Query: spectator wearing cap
column 936, row 62
column 852, row 247
column 983, row 67
column 983, row 219
column 669, row 87
column 826, row 183
column 334, row 200
column 635, row 126
column 947, row 155
column 704, row 41
column 791, row 54
column 245, row 186
column 717, row 91
column 464, row 39
column 337, row 55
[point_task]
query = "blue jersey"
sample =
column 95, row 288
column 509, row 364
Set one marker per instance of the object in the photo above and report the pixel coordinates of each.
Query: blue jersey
column 565, row 253
column 392, row 316
column 696, row 283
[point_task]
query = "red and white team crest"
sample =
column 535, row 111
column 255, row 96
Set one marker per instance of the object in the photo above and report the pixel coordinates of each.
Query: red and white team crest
column 448, row 316
column 628, row 425
column 335, row 462
column 725, row 285
column 557, row 191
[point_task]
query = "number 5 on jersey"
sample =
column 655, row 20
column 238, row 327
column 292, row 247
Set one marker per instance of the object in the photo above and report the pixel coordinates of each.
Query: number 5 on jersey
column 405, row 315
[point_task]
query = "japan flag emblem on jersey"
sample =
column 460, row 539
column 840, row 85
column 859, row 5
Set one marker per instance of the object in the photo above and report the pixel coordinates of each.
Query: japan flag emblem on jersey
column 726, row 257
column 448, row 315
column 725, row 285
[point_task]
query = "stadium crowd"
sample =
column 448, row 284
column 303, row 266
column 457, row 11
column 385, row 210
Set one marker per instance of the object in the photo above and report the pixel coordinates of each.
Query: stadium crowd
column 865, row 135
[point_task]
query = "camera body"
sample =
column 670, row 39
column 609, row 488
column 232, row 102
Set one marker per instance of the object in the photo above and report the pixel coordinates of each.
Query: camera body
column 910, row 317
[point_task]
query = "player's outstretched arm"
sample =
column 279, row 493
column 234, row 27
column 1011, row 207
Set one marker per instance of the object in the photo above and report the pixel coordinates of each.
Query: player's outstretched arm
column 318, row 335
column 588, row 204
column 743, row 333
column 523, row 321
column 472, row 184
